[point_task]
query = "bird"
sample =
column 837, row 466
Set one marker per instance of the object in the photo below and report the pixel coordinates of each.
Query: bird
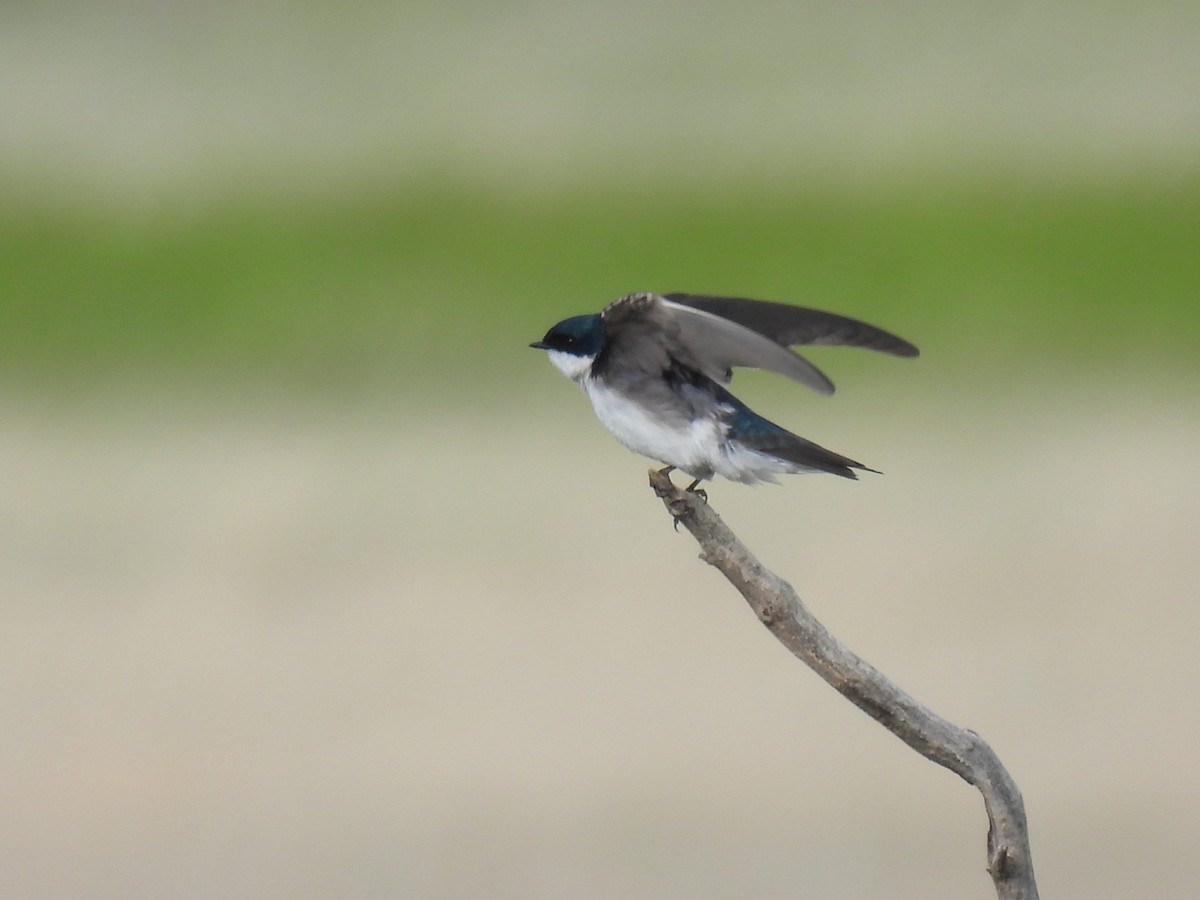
column 655, row 368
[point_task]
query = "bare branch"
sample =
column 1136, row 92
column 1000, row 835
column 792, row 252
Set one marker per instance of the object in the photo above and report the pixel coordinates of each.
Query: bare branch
column 958, row 749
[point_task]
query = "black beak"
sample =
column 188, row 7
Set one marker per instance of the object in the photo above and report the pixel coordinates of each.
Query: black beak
column 539, row 345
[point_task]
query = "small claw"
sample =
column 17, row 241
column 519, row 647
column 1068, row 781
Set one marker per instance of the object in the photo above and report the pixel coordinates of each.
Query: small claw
column 694, row 488
column 678, row 510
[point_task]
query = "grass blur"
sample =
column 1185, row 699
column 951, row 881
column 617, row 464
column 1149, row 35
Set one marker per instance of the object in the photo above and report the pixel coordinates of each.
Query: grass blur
column 421, row 288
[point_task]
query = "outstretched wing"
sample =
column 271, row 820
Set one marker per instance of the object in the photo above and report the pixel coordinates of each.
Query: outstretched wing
column 793, row 326
column 647, row 331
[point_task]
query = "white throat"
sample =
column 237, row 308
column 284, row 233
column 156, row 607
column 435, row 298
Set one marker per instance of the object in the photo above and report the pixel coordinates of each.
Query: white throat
column 574, row 367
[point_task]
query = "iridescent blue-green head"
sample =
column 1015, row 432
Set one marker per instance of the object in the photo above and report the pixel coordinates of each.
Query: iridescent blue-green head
column 573, row 344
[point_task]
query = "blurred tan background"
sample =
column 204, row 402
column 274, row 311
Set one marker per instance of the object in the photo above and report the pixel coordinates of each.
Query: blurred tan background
column 315, row 582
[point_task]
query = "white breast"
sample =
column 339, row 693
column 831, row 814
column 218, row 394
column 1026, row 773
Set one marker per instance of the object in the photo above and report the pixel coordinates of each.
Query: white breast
column 692, row 448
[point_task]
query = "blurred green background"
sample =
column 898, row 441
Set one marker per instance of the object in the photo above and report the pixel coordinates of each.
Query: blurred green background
column 409, row 288
column 317, row 581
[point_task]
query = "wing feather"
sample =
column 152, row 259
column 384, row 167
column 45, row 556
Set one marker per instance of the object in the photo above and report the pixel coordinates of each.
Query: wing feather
column 717, row 345
column 647, row 335
column 794, row 326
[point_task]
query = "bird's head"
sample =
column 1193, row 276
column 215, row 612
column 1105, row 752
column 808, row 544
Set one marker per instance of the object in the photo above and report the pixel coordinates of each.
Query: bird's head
column 573, row 343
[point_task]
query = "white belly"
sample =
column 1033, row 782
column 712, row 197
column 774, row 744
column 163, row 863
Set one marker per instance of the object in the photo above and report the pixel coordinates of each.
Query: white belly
column 699, row 448
column 687, row 448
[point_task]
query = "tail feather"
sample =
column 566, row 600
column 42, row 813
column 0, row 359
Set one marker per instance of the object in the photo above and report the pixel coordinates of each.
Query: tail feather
column 753, row 431
column 803, row 452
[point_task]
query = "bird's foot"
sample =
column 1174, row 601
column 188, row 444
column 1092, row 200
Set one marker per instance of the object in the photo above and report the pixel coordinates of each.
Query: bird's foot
column 692, row 488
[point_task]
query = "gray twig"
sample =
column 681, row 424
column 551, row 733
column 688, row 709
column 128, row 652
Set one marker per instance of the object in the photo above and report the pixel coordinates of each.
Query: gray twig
column 960, row 750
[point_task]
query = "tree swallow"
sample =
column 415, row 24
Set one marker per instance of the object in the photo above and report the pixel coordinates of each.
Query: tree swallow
column 655, row 369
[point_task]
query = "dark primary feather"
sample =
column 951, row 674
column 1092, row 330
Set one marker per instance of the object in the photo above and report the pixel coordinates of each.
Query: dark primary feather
column 645, row 333
column 793, row 326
